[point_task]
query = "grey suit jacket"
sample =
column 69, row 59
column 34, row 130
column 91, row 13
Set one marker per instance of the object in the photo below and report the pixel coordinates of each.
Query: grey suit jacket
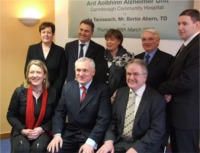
column 149, row 123
column 71, row 52
column 91, row 118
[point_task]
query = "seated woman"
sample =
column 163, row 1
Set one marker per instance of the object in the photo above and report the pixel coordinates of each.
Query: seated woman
column 111, row 65
column 30, row 111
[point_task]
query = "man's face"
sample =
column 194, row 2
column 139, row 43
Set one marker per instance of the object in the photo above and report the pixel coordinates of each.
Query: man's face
column 85, row 33
column 149, row 41
column 186, row 27
column 135, row 76
column 84, row 72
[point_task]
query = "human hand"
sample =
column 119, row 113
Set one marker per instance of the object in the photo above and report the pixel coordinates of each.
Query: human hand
column 107, row 147
column 131, row 150
column 35, row 133
column 55, row 144
column 86, row 148
column 168, row 98
column 26, row 132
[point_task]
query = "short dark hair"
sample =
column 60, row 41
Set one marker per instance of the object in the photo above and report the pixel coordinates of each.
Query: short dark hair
column 193, row 13
column 114, row 33
column 88, row 22
column 45, row 24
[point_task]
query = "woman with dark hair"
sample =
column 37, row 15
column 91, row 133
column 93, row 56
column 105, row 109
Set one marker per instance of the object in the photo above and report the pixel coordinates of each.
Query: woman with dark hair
column 30, row 111
column 51, row 54
column 111, row 65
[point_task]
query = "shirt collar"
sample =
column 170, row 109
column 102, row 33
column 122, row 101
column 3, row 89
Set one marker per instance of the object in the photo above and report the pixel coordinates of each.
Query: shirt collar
column 140, row 91
column 152, row 53
column 86, row 86
column 86, row 43
column 190, row 39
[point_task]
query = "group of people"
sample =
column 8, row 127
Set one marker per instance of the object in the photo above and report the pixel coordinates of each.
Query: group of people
column 84, row 98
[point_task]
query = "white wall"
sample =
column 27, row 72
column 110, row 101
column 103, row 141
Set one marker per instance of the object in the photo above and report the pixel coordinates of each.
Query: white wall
column 132, row 45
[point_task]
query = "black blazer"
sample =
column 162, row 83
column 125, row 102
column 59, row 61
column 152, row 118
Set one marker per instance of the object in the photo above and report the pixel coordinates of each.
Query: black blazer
column 183, row 85
column 149, row 123
column 91, row 118
column 71, row 52
column 16, row 114
column 157, row 68
column 55, row 62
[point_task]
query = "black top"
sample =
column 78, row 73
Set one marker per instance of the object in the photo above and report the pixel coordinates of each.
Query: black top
column 16, row 114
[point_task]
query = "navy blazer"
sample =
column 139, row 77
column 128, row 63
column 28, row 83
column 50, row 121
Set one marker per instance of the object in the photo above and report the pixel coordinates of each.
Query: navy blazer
column 183, row 85
column 157, row 68
column 91, row 118
column 55, row 63
column 71, row 52
column 149, row 123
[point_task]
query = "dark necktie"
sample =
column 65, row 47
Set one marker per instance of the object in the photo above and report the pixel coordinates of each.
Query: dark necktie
column 180, row 50
column 83, row 93
column 81, row 50
column 146, row 58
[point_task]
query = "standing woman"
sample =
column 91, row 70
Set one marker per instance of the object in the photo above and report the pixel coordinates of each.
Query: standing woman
column 51, row 54
column 30, row 111
column 111, row 65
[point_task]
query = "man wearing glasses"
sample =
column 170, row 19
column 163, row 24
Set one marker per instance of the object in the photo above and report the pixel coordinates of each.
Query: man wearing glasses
column 138, row 118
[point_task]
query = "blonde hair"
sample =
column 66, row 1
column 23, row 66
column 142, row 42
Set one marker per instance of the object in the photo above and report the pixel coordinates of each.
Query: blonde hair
column 40, row 64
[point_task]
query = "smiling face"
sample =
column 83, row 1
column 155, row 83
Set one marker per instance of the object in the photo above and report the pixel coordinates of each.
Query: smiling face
column 84, row 72
column 46, row 35
column 36, row 76
column 135, row 76
column 85, row 32
column 149, row 41
column 187, row 27
column 112, row 43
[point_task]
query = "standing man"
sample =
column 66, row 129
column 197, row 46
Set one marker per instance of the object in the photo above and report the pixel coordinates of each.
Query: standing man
column 182, row 87
column 138, row 117
column 84, row 46
column 158, row 61
column 88, row 107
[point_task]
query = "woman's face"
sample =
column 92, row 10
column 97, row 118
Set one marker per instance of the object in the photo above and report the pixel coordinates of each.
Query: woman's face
column 36, row 76
column 46, row 35
column 112, row 43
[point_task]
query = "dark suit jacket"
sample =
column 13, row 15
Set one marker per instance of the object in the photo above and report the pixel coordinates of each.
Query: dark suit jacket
column 149, row 123
column 55, row 62
column 71, row 51
column 16, row 114
column 90, row 119
column 157, row 68
column 183, row 85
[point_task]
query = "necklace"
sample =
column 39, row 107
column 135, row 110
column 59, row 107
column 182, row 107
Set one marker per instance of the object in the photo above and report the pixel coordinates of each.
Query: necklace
column 37, row 92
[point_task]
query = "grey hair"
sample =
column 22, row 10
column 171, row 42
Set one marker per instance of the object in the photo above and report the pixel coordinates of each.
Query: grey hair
column 83, row 59
column 153, row 31
column 140, row 62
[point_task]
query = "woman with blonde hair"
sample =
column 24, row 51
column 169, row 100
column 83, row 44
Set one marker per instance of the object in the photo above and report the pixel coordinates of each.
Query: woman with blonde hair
column 30, row 111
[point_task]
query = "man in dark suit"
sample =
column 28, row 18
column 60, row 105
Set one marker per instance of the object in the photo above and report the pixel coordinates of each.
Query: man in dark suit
column 90, row 48
column 158, row 64
column 88, row 117
column 148, row 123
column 158, row 61
column 182, row 87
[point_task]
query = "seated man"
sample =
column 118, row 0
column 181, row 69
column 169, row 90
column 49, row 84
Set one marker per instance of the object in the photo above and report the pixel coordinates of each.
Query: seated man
column 88, row 111
column 138, row 118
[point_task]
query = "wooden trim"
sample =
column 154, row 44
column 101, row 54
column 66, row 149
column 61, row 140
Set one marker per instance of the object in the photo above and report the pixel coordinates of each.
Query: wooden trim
column 5, row 136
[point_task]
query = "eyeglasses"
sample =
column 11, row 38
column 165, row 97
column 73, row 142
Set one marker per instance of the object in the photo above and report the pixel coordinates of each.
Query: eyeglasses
column 135, row 74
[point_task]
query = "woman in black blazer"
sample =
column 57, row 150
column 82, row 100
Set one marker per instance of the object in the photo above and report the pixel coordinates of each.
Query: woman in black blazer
column 30, row 111
column 51, row 54
column 110, row 66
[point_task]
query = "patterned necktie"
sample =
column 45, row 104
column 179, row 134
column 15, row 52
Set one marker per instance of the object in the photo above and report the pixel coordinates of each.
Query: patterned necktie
column 81, row 50
column 129, row 117
column 146, row 58
column 83, row 93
